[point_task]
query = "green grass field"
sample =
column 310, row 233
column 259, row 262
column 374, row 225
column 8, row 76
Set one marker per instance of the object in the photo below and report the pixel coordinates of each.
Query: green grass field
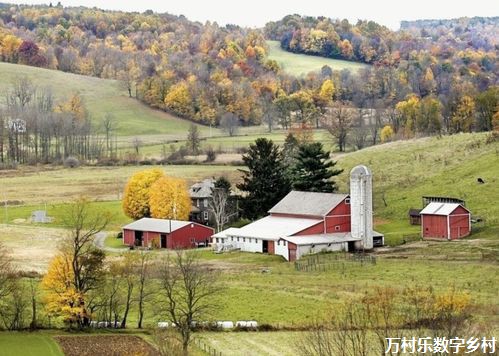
column 102, row 96
column 301, row 64
column 28, row 344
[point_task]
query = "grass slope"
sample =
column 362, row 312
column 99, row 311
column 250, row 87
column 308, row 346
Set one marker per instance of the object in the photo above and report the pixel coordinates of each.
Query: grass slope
column 101, row 96
column 28, row 344
column 404, row 171
column 301, row 64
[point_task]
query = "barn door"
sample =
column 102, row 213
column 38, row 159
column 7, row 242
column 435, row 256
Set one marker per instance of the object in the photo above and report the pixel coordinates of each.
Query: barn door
column 163, row 242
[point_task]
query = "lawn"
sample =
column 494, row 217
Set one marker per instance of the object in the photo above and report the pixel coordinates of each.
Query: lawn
column 28, row 344
column 301, row 64
column 103, row 96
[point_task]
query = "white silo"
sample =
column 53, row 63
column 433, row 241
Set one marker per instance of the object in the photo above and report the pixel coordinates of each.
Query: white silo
column 361, row 205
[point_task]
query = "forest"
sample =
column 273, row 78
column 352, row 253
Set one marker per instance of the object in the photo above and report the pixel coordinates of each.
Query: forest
column 428, row 78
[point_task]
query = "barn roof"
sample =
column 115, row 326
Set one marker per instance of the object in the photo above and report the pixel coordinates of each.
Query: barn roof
column 440, row 208
column 414, row 212
column 231, row 231
column 337, row 237
column 308, row 203
column 156, row 225
column 272, row 228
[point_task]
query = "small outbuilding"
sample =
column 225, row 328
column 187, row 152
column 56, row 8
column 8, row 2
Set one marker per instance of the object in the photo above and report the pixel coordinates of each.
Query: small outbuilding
column 165, row 233
column 445, row 220
column 415, row 216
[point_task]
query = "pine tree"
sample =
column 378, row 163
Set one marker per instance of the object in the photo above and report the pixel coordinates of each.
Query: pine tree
column 265, row 181
column 313, row 169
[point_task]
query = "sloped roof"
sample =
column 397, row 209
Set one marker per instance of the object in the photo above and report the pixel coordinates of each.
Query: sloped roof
column 440, row 208
column 272, row 228
column 308, row 203
column 337, row 237
column 231, row 231
column 156, row 225
column 202, row 189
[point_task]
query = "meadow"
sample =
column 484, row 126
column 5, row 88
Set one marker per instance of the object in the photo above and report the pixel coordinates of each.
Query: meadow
column 302, row 64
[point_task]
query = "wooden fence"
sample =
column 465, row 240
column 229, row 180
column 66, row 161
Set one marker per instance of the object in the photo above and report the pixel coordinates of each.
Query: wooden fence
column 333, row 261
column 209, row 350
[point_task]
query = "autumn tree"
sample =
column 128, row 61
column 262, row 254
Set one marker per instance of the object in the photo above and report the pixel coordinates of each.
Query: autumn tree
column 229, row 123
column 169, row 199
column 314, row 169
column 6, row 273
column 188, row 289
column 137, row 193
column 487, row 105
column 387, row 134
column 463, row 118
column 264, row 182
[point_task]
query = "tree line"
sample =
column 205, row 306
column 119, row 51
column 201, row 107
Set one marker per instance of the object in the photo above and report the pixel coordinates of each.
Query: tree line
column 223, row 76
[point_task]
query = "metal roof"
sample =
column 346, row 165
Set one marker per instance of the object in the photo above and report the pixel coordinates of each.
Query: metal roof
column 440, row 208
column 156, row 225
column 231, row 231
column 308, row 203
column 202, row 189
column 272, row 228
column 321, row 239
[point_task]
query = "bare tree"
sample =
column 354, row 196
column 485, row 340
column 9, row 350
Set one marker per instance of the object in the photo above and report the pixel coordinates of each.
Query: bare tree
column 137, row 144
column 359, row 130
column 188, row 288
column 193, row 139
column 218, row 205
column 229, row 123
column 109, row 125
column 338, row 122
column 144, row 288
column 6, row 273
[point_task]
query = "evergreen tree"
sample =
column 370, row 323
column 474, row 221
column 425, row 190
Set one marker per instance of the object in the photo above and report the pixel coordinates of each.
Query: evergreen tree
column 265, row 181
column 313, row 169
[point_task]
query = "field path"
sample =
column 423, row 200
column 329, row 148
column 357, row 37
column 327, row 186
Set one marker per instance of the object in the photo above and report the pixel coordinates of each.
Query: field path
column 99, row 243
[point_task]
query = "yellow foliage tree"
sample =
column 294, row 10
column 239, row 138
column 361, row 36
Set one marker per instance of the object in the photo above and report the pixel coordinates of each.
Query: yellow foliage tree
column 74, row 106
column 327, row 90
column 169, row 199
column 179, row 99
column 386, row 133
column 137, row 193
column 61, row 297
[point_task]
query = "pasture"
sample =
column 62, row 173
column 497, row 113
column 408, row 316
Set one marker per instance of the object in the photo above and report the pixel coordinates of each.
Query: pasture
column 28, row 344
column 302, row 64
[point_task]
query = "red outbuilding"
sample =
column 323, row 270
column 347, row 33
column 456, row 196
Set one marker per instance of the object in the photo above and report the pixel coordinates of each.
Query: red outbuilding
column 163, row 233
column 445, row 220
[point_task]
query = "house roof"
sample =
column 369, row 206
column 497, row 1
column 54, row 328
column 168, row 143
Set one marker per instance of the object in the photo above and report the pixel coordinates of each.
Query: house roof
column 414, row 212
column 156, row 225
column 202, row 189
column 337, row 237
column 440, row 208
column 308, row 203
column 272, row 228
column 231, row 231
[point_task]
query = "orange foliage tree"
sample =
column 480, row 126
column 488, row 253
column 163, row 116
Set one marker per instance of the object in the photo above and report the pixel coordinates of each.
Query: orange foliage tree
column 169, row 199
column 137, row 191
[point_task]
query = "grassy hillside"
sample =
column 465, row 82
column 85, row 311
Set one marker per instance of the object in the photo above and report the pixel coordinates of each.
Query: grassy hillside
column 101, row 96
column 301, row 64
column 404, row 171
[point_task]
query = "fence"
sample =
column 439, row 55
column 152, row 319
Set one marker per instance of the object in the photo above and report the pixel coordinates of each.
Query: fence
column 326, row 262
column 207, row 348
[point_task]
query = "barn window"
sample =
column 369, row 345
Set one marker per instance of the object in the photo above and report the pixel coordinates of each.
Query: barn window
column 347, row 201
column 249, row 240
column 238, row 239
column 284, row 242
column 337, row 227
column 278, row 242
column 232, row 238
column 205, row 215
column 205, row 203
column 217, row 239
column 244, row 239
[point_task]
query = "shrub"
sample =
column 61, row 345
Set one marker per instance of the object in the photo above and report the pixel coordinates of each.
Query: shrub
column 71, row 162
column 211, row 155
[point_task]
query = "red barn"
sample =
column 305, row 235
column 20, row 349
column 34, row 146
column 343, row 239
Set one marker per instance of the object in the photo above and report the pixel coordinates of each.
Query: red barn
column 445, row 220
column 162, row 233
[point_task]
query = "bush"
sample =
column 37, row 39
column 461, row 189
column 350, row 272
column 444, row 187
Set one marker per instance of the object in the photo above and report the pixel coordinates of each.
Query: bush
column 71, row 162
column 119, row 235
column 211, row 155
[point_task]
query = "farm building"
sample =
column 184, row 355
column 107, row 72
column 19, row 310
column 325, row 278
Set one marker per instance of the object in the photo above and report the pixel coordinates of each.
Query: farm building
column 415, row 216
column 162, row 233
column 445, row 220
column 200, row 194
column 308, row 222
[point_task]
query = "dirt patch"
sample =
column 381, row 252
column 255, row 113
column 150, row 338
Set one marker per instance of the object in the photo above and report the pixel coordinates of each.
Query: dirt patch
column 109, row 345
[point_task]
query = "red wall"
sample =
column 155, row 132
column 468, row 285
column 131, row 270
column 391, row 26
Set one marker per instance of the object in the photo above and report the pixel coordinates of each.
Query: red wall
column 184, row 237
column 292, row 252
column 459, row 223
column 313, row 230
column 271, row 248
column 339, row 216
column 434, row 226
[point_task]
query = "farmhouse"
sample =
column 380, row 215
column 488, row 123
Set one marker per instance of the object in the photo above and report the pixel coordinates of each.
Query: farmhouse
column 200, row 194
column 308, row 222
column 163, row 233
column 445, row 220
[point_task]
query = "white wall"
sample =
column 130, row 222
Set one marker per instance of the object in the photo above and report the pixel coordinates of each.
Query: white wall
column 282, row 250
column 244, row 244
column 307, row 249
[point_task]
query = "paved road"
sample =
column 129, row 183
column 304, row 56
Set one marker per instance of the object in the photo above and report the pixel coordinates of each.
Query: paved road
column 99, row 243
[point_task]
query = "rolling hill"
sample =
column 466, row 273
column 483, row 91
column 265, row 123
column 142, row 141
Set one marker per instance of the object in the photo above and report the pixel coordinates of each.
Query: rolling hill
column 301, row 64
column 101, row 96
